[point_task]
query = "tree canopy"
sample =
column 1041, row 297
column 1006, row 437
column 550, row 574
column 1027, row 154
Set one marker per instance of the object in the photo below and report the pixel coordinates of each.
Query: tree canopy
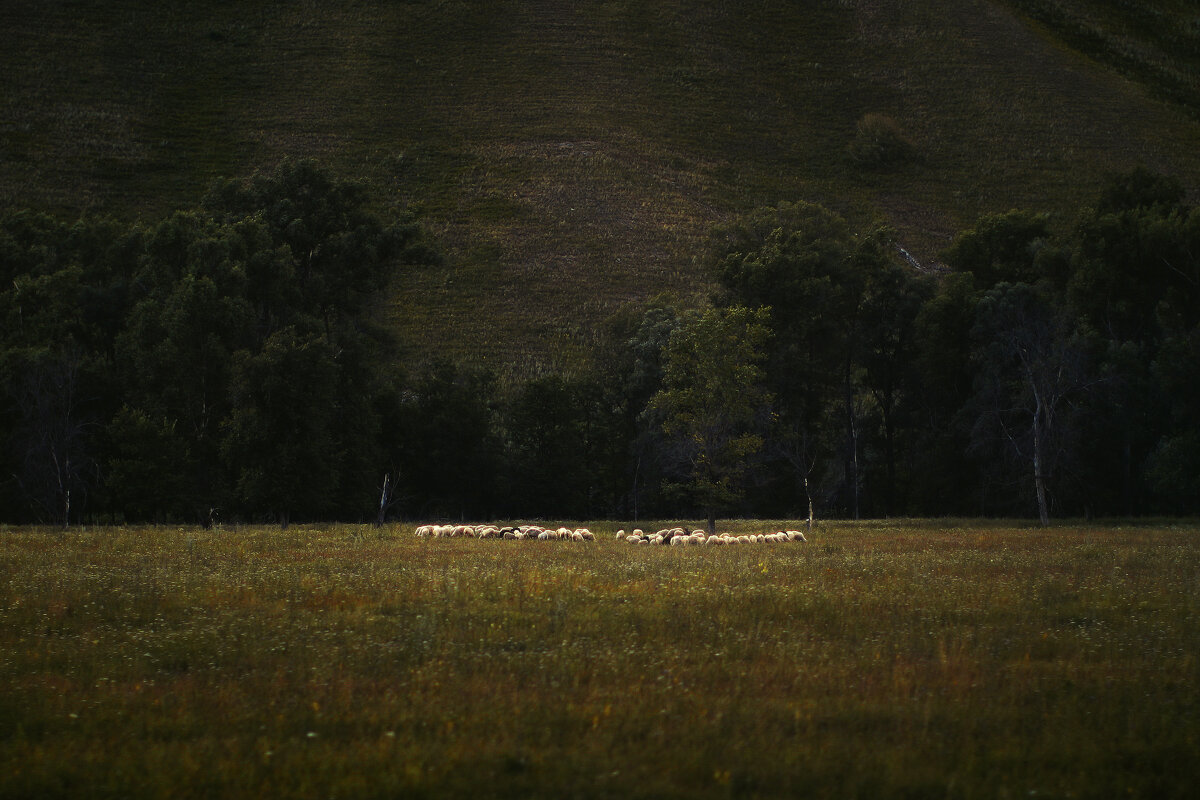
column 232, row 360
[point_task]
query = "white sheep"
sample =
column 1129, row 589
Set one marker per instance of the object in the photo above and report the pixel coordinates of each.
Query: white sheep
column 620, row 534
column 796, row 536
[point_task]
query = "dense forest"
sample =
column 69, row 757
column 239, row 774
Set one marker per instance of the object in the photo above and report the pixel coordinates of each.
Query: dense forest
column 233, row 361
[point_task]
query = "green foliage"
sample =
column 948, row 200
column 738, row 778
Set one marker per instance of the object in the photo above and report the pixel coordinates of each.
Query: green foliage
column 222, row 357
column 1008, row 247
column 279, row 438
column 445, row 442
column 234, row 359
column 713, row 403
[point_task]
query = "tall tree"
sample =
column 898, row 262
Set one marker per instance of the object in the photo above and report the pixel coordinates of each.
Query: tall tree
column 1032, row 368
column 279, row 438
column 444, row 442
column 892, row 299
column 714, row 404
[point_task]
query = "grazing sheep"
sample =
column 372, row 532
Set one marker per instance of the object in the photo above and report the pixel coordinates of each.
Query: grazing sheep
column 588, row 535
column 796, row 536
column 545, row 536
column 509, row 534
column 424, row 530
column 620, row 534
column 576, row 536
column 633, row 538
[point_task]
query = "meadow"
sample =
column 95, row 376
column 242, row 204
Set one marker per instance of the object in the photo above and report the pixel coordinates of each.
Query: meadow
column 881, row 659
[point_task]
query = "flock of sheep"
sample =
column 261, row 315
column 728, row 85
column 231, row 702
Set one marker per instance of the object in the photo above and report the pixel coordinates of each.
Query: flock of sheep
column 667, row 536
column 679, row 536
column 521, row 532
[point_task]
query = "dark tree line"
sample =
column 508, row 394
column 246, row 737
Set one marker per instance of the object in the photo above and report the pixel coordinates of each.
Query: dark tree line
column 231, row 360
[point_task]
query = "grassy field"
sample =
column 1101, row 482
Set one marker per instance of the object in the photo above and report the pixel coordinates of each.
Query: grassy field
column 572, row 157
column 914, row 659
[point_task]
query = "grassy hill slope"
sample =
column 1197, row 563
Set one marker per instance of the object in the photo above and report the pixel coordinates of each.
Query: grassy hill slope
column 572, row 157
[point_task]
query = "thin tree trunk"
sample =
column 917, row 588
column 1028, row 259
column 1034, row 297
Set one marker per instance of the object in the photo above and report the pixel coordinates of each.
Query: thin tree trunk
column 1039, row 480
column 384, row 500
column 808, row 496
column 889, row 454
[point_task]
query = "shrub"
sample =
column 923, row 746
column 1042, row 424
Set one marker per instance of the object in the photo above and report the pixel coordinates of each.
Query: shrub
column 878, row 141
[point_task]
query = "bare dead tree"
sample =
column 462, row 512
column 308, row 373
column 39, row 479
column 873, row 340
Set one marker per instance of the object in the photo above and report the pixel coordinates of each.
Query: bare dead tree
column 387, row 498
column 56, row 470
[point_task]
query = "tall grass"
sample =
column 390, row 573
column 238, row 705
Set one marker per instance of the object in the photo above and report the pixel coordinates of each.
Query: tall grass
column 879, row 660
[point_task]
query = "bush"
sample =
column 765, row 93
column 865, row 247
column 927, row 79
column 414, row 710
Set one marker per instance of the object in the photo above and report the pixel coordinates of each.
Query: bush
column 879, row 141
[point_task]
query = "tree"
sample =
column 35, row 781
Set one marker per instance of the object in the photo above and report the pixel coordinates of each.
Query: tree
column 552, row 430
column 628, row 366
column 279, row 439
column 1136, row 282
column 443, row 441
column 57, row 464
column 944, row 373
column 713, row 406
column 892, row 299
column 1032, row 368
column 337, row 255
column 1009, row 247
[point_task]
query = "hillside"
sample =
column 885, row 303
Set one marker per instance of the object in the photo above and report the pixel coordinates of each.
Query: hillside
column 572, row 157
